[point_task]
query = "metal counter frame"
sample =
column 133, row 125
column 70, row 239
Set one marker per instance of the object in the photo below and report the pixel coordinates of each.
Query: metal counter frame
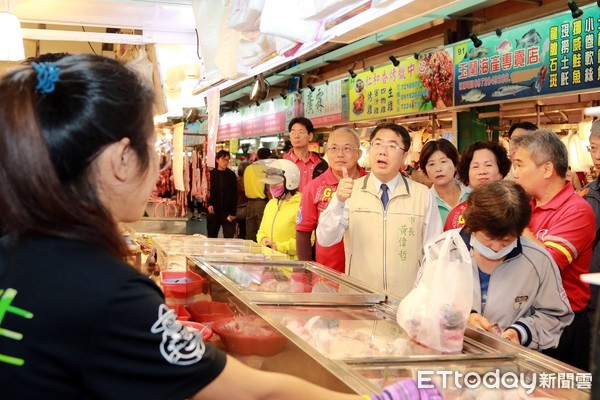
column 480, row 348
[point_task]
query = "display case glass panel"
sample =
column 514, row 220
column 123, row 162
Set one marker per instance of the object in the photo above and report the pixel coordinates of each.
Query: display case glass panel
column 288, row 282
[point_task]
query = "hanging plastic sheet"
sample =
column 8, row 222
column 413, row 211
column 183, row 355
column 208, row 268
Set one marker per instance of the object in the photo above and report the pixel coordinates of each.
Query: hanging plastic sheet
column 178, row 156
column 213, row 100
column 209, row 17
column 579, row 158
column 245, row 15
column 291, row 27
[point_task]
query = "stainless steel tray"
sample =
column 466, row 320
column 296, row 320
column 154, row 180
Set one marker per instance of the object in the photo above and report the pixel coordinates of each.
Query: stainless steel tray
column 356, row 333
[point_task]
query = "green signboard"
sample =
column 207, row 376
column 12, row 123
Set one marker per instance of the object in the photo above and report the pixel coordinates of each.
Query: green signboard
column 548, row 56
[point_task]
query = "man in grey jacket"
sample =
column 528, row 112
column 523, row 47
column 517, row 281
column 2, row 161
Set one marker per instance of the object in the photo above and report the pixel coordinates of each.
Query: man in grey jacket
column 516, row 283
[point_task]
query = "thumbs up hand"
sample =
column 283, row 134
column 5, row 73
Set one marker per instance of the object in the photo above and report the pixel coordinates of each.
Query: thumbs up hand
column 344, row 189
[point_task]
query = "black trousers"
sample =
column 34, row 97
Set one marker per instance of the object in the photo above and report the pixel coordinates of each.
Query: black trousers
column 254, row 213
column 574, row 345
column 241, row 228
column 217, row 220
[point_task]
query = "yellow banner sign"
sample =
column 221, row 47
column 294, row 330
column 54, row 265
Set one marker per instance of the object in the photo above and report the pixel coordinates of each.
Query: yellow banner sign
column 411, row 87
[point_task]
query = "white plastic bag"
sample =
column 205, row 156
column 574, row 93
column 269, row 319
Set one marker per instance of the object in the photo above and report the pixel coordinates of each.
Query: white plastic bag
column 435, row 312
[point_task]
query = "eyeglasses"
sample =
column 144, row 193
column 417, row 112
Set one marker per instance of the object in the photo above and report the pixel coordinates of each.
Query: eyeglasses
column 593, row 149
column 378, row 145
column 294, row 132
column 337, row 149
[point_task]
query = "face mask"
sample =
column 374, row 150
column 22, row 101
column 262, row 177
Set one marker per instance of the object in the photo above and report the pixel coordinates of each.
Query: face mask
column 489, row 253
column 276, row 191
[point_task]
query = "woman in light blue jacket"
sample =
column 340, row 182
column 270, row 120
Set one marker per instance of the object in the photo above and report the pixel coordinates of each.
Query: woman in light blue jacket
column 517, row 289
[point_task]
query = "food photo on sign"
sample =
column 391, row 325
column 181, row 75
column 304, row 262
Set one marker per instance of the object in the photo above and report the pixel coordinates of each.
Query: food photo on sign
column 436, row 71
column 411, row 86
column 358, row 105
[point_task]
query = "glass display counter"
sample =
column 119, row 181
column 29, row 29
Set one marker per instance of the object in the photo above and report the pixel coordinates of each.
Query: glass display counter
column 347, row 333
column 475, row 378
column 282, row 282
column 172, row 246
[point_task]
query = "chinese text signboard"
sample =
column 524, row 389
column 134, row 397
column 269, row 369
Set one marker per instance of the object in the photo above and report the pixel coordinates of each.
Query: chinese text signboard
column 411, row 87
column 230, row 126
column 323, row 106
column 556, row 55
column 266, row 119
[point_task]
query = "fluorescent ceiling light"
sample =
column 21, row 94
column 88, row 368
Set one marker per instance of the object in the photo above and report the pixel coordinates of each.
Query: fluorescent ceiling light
column 147, row 36
column 270, row 139
column 162, row 118
column 77, row 36
column 592, row 111
column 11, row 45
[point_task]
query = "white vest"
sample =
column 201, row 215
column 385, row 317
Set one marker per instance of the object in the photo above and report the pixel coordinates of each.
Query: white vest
column 385, row 249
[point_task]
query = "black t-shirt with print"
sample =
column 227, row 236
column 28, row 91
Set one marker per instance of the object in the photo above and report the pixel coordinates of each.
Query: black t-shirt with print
column 81, row 324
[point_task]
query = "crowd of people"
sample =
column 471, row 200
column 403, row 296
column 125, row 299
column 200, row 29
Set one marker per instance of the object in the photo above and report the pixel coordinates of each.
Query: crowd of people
column 530, row 236
column 373, row 225
column 527, row 228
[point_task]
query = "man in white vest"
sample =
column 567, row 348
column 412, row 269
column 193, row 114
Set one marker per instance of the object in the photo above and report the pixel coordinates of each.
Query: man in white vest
column 383, row 217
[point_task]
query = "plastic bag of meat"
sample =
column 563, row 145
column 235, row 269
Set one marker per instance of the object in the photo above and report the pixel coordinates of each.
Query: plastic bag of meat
column 435, row 312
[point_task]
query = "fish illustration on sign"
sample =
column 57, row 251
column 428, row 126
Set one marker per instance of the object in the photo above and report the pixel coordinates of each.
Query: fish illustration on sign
column 545, row 48
column 529, row 39
column 504, row 47
column 478, row 52
column 472, row 95
column 511, row 89
column 541, row 77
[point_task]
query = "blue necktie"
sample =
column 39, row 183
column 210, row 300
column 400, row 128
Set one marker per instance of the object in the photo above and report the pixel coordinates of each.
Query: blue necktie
column 384, row 195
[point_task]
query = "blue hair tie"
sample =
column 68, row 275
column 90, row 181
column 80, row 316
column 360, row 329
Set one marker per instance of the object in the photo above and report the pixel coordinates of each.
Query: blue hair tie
column 47, row 75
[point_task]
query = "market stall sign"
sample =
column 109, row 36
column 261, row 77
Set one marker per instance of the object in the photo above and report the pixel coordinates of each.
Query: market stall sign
column 549, row 56
column 413, row 86
column 323, row 106
column 230, row 126
column 234, row 145
column 266, row 119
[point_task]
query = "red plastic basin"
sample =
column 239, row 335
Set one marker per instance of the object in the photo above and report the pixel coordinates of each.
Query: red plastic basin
column 204, row 330
column 249, row 336
column 209, row 311
column 181, row 287
column 181, row 312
